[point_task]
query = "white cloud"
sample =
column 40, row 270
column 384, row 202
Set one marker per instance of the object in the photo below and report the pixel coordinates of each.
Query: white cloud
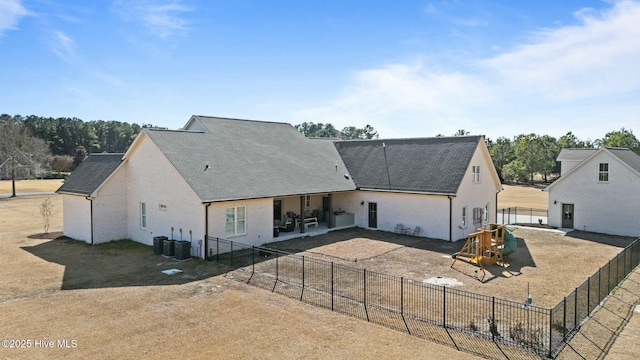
column 11, row 11
column 62, row 45
column 582, row 78
column 162, row 17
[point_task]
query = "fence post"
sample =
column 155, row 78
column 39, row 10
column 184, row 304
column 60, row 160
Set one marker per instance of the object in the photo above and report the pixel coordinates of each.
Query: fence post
column 492, row 325
column 575, row 309
column 302, row 292
column 253, row 260
column 564, row 319
column 589, row 295
column 402, row 304
column 444, row 307
column 550, row 332
column 599, row 285
column 615, row 279
column 332, row 286
column 609, row 277
column 275, row 283
column 231, row 254
column 364, row 282
column 218, row 249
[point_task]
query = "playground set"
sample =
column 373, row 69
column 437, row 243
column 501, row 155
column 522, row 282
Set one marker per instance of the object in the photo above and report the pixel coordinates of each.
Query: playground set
column 487, row 246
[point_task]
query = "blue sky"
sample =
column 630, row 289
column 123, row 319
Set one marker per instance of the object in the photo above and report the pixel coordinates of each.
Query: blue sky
column 408, row 68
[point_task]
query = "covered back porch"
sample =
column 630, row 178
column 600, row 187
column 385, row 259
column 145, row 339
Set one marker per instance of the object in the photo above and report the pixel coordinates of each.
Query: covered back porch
column 309, row 214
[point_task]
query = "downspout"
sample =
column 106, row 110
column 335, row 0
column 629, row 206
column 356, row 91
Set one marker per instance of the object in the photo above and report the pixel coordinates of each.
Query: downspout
column 450, row 219
column 91, row 215
column 206, row 230
column 496, row 208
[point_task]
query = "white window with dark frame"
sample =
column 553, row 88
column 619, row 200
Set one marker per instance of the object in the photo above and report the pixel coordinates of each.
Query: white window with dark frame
column 476, row 173
column 143, row 215
column 603, row 172
column 236, row 221
column 463, row 224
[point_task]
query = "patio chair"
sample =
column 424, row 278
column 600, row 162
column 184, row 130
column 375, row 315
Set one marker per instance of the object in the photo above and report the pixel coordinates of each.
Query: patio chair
column 285, row 224
column 416, row 231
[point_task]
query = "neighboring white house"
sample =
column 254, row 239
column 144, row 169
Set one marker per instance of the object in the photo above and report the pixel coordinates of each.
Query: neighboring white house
column 598, row 191
column 233, row 179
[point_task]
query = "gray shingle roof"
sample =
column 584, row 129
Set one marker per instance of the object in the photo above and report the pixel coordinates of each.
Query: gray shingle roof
column 575, row 154
column 430, row 165
column 90, row 174
column 251, row 159
column 627, row 156
column 624, row 154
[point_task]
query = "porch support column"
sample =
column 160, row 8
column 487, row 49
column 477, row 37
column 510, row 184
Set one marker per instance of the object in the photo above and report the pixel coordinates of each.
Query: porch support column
column 302, row 224
column 332, row 220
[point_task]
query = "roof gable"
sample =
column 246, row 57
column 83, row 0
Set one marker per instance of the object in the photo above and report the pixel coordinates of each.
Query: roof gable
column 90, row 174
column 429, row 165
column 626, row 156
column 241, row 159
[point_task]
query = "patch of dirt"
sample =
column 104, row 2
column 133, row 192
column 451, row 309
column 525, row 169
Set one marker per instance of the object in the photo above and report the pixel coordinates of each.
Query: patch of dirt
column 549, row 264
column 356, row 249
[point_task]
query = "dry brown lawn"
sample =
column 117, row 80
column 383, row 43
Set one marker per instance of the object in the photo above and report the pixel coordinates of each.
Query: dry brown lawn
column 523, row 196
column 30, row 186
column 114, row 302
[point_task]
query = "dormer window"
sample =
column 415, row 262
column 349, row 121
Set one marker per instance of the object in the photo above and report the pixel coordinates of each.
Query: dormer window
column 603, row 173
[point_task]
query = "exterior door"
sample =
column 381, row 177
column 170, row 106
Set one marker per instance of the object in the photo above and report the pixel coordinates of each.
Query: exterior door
column 373, row 215
column 567, row 216
column 277, row 210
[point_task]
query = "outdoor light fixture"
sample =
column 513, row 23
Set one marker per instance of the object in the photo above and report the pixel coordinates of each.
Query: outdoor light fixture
column 362, row 202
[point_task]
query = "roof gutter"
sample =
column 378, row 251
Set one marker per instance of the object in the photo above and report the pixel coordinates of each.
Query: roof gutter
column 206, row 230
column 408, row 192
column 451, row 218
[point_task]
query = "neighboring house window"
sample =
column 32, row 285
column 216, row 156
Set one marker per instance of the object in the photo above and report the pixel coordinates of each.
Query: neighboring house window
column 476, row 173
column 486, row 213
column 236, row 221
column 464, row 217
column 603, row 173
column 308, row 201
column 143, row 215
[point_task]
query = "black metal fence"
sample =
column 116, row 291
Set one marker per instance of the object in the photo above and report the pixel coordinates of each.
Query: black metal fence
column 574, row 308
column 521, row 215
column 421, row 309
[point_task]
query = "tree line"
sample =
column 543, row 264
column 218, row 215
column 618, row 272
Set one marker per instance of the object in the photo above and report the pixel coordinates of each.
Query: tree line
column 57, row 144
column 521, row 158
column 518, row 159
column 60, row 144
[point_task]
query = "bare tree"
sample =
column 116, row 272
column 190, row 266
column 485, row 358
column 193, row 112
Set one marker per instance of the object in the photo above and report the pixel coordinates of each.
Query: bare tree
column 18, row 149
